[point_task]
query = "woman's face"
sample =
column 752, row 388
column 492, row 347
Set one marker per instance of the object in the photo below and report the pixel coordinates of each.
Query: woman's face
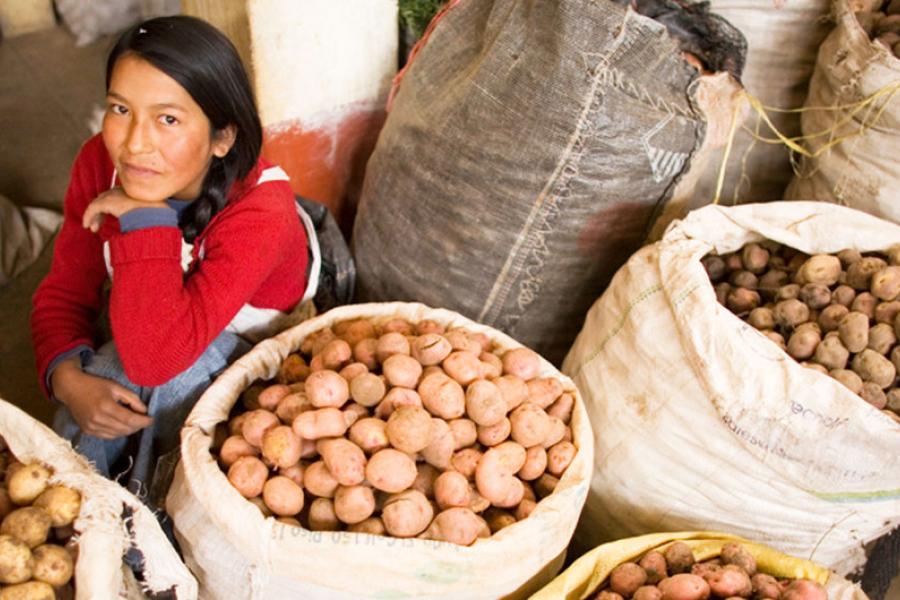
column 159, row 139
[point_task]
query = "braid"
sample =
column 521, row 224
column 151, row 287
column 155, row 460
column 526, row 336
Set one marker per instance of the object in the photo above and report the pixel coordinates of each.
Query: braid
column 212, row 199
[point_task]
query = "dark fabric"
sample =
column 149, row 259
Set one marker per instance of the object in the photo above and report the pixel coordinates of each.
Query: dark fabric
column 882, row 567
column 338, row 272
column 530, row 147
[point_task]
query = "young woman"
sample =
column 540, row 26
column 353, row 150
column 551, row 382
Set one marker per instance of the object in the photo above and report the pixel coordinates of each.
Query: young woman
column 197, row 240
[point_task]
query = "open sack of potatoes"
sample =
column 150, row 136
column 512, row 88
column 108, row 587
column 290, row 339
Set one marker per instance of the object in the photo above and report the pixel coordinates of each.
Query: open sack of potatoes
column 695, row 566
column 45, row 485
column 708, row 424
column 272, row 530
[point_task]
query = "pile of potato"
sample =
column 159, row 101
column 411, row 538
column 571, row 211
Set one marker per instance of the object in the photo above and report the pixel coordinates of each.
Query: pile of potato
column 882, row 24
column 37, row 552
column 402, row 430
column 838, row 314
column 675, row 575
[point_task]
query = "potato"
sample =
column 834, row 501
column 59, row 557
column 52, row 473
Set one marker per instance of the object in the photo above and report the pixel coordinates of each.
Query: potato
column 61, row 503
column 679, row 558
column 402, row 370
column 777, row 338
column 406, row 514
column 395, row 398
column 886, row 312
column 831, row 353
column 322, row 516
column 354, row 504
column 391, row 343
column 336, row 354
column 735, row 554
column 294, row 473
column 885, row 283
column 281, row 446
column 513, row 389
column 16, row 562
column 257, row 423
column 398, row 325
column 367, row 389
column 6, row 505
column 495, row 474
column 427, row 326
column 317, row 340
column 607, row 595
column 761, row 318
column 654, row 565
column 352, row 371
column 558, row 431
column 849, row 379
column 292, row 405
column 372, row 526
column 369, row 434
column 441, row 446
column 236, row 425
column 882, row 338
column 545, row 485
column 442, row 396
column 409, row 429
column 755, row 258
column 364, row 352
column 27, row 483
column 831, row 316
column 425, row 478
column 430, row 349
column 848, row 257
column 871, row 366
column 283, row 496
column 248, row 474
column 559, row 457
column 722, row 289
column 764, row 587
column 865, row 303
column 854, row 331
column 803, row 343
column 292, row 369
column 270, row 396
column 769, row 283
column 873, row 394
column 729, row 582
column 742, row 300
column 562, row 408
column 463, row 366
column 452, row 489
column 320, row 423
column 327, row 389
column 319, row 481
column 494, row 434
column 344, row 459
column 491, row 365
column 391, row 471
column 465, row 432
column 684, row 586
column 457, row 525
column 820, row 268
column 790, row 313
column 804, row 589
column 466, row 461
column 521, row 362
column 30, row 590
column 744, row 279
column 626, row 578
column 714, row 266
column 815, row 295
column 859, row 274
column 814, row 366
column 485, row 404
column 647, row 592
column 892, row 399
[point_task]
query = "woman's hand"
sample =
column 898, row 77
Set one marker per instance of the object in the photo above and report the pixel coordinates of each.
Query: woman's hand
column 113, row 202
column 100, row 406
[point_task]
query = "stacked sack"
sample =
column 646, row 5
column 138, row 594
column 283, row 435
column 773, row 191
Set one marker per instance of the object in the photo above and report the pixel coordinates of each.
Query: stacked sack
column 51, row 494
column 395, row 438
column 728, row 416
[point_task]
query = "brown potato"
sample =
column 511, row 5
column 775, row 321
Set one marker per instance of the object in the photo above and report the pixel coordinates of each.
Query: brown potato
column 865, row 303
column 327, row 389
column 442, row 396
column 854, row 331
column 831, row 316
column 283, row 496
column 654, row 565
column 292, row 405
column 882, row 338
column 874, row 367
column 319, row 481
column 832, row 353
column 771, row 281
column 391, row 471
column 367, row 389
column 722, row 290
column 735, row 554
column 765, row 587
column 815, row 295
column 465, row 432
column 30, row 590
column 292, row 369
column 885, row 283
column 714, row 266
column 873, row 394
column 744, row 279
column 322, row 516
column 849, row 379
column 364, row 352
column 626, row 578
column 545, row 485
column 843, row 295
column 741, row 300
column 256, row 424
column 791, row 313
column 820, row 268
column 886, row 312
column 647, row 592
column 406, row 514
column 803, row 343
column 354, row 504
column 859, row 274
column 27, row 483
column 755, row 258
column 442, row 445
column 451, row 488
column 371, row 526
column 248, row 474
column 369, row 434
column 761, row 318
column 317, row 340
column 777, row 338
column 16, row 562
column 679, row 558
column 281, row 446
column 61, row 503
column 790, row 291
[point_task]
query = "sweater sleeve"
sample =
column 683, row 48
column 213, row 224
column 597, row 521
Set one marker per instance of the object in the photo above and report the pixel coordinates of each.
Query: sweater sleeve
column 162, row 320
column 68, row 301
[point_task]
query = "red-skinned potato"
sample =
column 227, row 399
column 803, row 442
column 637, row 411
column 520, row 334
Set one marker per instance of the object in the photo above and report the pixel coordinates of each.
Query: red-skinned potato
column 320, row 423
column 679, row 558
column 466, row 461
column 352, row 371
column 654, row 565
column 535, row 463
column 354, row 504
column 402, row 370
column 283, row 496
column 319, row 481
column 367, row 389
column 369, row 434
column 562, row 408
column 406, row 514
column 494, row 434
column 443, row 396
column 626, row 578
column 684, row 586
column 255, row 425
column 804, row 589
column 521, row 362
column 371, row 526
column 365, row 352
column 293, row 369
column 322, row 516
column 409, row 429
column 292, row 405
column 514, row 390
column 452, row 489
column 391, row 471
column 530, row 425
column 430, row 349
column 463, row 366
column 395, row 398
column 391, row 343
column 442, row 445
column 544, row 391
column 270, row 397
column 248, row 474
column 294, row 473
column 484, row 403
column 327, row 389
column 426, row 326
column 281, row 446
column 465, row 432
column 456, row 525
column 425, row 478
column 344, row 459
column 495, row 474
column 491, row 365
column 336, row 354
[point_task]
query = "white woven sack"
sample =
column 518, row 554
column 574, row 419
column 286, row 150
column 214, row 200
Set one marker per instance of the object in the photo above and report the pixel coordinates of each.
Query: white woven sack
column 103, row 536
column 237, row 553
column 706, row 424
column 861, row 171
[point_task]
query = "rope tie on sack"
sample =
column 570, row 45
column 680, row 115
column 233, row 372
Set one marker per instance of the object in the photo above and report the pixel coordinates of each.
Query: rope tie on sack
column 870, row 104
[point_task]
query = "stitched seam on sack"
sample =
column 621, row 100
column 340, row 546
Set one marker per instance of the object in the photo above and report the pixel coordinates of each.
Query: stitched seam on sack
column 515, row 260
column 615, row 78
column 620, row 323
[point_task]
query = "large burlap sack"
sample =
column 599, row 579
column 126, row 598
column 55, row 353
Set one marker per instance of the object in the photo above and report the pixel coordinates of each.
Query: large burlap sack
column 783, row 37
column 706, row 424
column 104, row 535
column 861, row 170
column 591, row 570
column 529, row 150
column 237, row 553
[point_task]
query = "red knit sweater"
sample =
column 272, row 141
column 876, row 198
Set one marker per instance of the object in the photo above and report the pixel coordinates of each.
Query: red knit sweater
column 253, row 252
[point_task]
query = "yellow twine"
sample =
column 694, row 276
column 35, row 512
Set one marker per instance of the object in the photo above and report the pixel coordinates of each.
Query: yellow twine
column 793, row 142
